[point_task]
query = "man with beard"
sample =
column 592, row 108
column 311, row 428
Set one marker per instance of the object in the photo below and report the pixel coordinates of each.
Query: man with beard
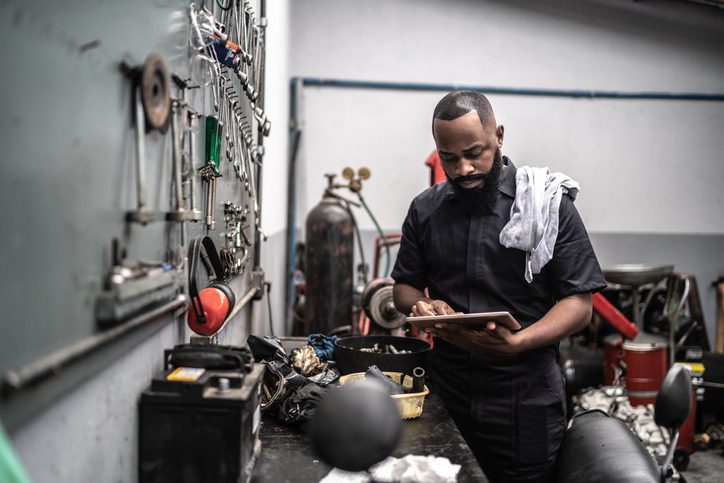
column 504, row 390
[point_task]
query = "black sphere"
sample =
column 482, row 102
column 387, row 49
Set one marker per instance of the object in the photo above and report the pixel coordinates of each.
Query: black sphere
column 356, row 426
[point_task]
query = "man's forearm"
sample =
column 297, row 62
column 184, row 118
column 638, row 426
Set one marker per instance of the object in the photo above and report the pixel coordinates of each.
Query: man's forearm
column 568, row 316
column 406, row 296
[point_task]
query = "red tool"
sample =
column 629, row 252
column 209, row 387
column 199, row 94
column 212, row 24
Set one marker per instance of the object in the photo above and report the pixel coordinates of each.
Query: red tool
column 614, row 317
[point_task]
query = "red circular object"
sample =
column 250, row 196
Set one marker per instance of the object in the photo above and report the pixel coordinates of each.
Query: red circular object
column 216, row 308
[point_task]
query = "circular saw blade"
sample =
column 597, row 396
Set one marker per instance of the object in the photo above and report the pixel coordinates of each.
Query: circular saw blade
column 155, row 92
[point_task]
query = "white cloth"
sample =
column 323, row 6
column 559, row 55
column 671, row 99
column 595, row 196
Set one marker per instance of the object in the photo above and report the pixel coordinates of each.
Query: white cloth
column 416, row 468
column 410, row 469
column 533, row 225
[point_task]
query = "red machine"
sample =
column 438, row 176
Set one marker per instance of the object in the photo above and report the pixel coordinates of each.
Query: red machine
column 645, row 361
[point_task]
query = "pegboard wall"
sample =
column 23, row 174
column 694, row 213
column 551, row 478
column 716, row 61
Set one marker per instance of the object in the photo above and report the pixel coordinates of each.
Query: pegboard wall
column 128, row 129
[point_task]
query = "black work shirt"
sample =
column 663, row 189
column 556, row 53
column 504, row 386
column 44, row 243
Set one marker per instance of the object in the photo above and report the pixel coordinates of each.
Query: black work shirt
column 459, row 258
column 511, row 411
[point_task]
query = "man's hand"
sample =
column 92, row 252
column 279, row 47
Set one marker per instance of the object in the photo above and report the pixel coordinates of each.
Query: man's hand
column 569, row 315
column 430, row 307
column 494, row 339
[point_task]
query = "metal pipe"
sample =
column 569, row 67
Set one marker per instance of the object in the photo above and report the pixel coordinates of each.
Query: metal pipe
column 248, row 296
column 260, row 136
column 140, row 151
column 17, row 379
column 192, row 170
column 178, row 192
column 295, row 132
column 516, row 91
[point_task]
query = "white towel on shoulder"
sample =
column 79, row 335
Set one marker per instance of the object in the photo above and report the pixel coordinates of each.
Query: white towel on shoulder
column 533, row 225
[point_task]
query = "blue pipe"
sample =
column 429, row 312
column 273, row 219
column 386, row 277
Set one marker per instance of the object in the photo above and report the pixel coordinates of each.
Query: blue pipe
column 291, row 239
column 515, row 91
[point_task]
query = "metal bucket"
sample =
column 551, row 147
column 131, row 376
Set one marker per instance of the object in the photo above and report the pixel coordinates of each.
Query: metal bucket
column 351, row 359
column 646, row 360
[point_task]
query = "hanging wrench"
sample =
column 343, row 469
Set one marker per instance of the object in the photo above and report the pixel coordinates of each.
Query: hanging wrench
column 180, row 213
column 193, row 119
column 208, row 174
column 142, row 214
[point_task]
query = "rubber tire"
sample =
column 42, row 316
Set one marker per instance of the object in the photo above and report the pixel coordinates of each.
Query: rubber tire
column 681, row 460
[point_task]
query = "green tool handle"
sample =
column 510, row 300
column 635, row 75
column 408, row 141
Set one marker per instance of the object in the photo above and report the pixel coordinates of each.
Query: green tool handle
column 11, row 470
column 213, row 141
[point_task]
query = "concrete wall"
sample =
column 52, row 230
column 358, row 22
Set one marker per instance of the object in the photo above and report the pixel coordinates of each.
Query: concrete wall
column 65, row 125
column 646, row 167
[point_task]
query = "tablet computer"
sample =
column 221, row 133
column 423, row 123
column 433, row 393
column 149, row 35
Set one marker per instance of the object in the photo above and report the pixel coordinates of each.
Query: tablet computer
column 475, row 321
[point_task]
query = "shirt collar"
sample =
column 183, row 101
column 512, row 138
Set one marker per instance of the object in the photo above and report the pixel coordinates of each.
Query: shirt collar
column 507, row 180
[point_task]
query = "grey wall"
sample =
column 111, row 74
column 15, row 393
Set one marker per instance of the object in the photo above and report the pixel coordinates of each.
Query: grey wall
column 67, row 177
column 651, row 171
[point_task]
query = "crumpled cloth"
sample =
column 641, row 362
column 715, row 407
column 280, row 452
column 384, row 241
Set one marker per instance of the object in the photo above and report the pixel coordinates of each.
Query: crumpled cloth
column 533, row 225
column 306, row 362
column 323, row 345
column 409, row 469
column 341, row 476
column 299, row 405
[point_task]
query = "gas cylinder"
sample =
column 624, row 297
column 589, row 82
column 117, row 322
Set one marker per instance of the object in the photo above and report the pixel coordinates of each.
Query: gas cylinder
column 329, row 267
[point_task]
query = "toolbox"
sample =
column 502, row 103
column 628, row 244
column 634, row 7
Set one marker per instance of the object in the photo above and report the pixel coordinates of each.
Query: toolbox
column 200, row 424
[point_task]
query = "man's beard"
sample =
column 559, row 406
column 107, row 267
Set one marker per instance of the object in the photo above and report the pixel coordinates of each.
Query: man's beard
column 482, row 199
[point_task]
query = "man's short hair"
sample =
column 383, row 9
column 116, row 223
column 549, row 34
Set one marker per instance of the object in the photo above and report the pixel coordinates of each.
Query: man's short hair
column 459, row 103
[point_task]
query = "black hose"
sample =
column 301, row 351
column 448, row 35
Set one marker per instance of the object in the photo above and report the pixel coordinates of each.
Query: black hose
column 359, row 239
column 379, row 230
column 268, row 304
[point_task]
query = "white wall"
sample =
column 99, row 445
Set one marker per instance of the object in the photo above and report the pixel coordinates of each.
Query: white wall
column 645, row 166
column 274, row 180
column 274, row 189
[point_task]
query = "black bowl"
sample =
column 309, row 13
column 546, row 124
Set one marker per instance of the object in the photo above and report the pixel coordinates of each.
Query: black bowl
column 351, row 359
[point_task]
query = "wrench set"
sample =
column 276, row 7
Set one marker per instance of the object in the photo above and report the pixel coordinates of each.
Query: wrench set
column 227, row 46
column 226, row 59
column 226, row 69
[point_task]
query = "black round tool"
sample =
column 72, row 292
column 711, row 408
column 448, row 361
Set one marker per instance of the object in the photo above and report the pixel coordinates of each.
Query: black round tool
column 356, row 426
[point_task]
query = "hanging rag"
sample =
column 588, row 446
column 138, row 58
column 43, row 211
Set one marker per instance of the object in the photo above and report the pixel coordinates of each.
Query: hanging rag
column 533, row 225
column 323, row 345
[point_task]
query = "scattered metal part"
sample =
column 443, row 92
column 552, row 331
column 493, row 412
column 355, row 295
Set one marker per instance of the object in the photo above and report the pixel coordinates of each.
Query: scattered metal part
column 384, row 349
column 640, row 419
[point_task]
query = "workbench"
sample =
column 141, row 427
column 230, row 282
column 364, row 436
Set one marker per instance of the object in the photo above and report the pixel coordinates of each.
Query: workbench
column 287, row 456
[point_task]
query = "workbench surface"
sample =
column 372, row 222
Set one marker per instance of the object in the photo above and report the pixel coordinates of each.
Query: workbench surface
column 287, row 456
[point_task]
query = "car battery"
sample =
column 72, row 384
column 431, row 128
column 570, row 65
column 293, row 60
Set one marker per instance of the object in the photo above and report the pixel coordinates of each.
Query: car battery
column 198, row 424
